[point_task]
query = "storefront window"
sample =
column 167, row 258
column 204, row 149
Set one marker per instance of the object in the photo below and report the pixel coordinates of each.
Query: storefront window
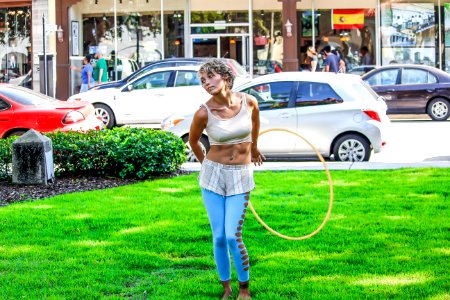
column 349, row 32
column 139, row 38
column 267, row 42
column 409, row 33
column 446, row 17
column 175, row 34
column 220, row 34
column 15, row 46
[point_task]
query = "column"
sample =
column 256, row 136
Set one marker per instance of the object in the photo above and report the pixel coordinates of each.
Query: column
column 290, row 45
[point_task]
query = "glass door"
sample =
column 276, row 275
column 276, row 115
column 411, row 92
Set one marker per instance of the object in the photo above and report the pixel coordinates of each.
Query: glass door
column 219, row 45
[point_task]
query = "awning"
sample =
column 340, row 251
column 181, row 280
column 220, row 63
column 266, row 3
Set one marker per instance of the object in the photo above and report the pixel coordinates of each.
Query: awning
column 12, row 3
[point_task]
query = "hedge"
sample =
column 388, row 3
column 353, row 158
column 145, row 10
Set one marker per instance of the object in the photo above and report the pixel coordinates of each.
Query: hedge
column 120, row 152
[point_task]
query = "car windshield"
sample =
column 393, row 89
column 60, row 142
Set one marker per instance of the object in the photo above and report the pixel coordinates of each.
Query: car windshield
column 26, row 96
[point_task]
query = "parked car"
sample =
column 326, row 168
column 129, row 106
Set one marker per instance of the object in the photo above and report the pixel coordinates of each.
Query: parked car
column 412, row 89
column 22, row 109
column 125, row 67
column 360, row 70
column 338, row 113
column 173, row 62
column 148, row 99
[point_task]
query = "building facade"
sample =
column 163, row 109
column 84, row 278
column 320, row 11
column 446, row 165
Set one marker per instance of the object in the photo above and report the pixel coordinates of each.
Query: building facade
column 262, row 35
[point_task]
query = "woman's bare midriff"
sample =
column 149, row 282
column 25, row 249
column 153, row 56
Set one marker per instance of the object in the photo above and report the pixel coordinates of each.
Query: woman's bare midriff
column 237, row 154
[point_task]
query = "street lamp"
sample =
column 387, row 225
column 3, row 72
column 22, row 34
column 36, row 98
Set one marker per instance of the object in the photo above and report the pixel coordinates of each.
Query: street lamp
column 60, row 34
column 288, row 26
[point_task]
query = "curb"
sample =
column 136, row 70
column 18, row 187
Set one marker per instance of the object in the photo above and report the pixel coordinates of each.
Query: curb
column 284, row 166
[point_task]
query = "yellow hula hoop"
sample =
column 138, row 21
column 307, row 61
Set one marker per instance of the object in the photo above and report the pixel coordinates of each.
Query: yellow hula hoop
column 330, row 182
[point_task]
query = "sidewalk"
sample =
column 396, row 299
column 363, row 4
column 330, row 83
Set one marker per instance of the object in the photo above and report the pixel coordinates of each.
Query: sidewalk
column 294, row 165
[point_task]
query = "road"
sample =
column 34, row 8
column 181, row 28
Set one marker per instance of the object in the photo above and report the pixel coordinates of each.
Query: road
column 416, row 139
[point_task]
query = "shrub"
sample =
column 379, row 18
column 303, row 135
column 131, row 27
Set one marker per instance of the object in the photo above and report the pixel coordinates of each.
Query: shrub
column 121, row 152
column 5, row 157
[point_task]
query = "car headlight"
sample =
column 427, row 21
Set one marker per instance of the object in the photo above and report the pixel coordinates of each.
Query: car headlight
column 170, row 122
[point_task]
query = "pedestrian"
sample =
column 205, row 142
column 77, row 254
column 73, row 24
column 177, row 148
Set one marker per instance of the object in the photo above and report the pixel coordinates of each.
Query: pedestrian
column 342, row 64
column 366, row 57
column 101, row 68
column 87, row 80
column 331, row 60
column 231, row 121
column 312, row 54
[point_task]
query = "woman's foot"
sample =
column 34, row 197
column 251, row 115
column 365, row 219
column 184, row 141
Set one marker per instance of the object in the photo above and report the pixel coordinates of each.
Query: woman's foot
column 244, row 291
column 227, row 292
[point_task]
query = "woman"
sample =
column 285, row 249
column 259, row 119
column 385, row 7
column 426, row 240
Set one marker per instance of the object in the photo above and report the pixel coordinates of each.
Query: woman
column 312, row 54
column 231, row 121
column 87, row 80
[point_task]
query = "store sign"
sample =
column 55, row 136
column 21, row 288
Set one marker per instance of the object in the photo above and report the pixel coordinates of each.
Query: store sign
column 348, row 18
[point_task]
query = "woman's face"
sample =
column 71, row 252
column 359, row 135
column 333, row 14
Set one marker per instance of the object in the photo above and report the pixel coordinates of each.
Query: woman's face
column 212, row 82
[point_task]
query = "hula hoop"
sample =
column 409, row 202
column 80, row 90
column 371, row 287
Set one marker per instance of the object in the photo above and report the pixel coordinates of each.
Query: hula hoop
column 330, row 182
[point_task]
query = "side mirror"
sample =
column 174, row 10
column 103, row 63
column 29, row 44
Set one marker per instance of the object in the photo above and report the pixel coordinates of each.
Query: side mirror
column 130, row 87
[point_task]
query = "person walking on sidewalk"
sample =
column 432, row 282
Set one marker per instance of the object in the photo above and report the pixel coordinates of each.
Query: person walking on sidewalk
column 87, row 81
column 101, row 68
column 331, row 60
column 312, row 54
column 231, row 120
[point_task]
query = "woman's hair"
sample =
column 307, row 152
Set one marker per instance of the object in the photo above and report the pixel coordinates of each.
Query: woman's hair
column 219, row 67
column 312, row 50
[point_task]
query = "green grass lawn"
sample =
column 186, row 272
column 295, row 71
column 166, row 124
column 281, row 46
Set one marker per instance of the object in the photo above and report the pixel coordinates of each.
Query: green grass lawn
column 388, row 238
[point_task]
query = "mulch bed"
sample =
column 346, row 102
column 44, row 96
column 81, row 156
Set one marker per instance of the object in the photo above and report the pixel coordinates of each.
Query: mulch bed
column 10, row 193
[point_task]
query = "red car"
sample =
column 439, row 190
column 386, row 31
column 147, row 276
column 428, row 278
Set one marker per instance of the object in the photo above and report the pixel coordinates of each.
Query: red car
column 22, row 109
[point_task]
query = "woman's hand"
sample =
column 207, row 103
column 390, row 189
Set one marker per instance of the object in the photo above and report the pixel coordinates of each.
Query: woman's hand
column 75, row 68
column 257, row 157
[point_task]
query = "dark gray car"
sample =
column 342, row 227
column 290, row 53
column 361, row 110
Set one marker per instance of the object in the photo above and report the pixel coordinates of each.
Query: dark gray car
column 412, row 89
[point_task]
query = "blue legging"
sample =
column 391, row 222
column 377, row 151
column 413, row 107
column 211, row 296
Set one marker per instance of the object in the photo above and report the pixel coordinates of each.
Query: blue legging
column 226, row 215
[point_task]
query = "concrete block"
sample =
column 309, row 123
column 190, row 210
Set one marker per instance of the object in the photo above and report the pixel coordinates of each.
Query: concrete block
column 32, row 159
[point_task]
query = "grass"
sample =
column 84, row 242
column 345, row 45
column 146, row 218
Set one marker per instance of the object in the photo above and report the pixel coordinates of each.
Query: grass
column 388, row 238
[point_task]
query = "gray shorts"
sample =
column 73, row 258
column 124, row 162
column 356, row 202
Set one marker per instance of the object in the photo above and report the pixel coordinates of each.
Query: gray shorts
column 226, row 180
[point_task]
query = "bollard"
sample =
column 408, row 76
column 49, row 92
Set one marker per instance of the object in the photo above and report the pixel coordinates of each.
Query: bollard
column 32, row 159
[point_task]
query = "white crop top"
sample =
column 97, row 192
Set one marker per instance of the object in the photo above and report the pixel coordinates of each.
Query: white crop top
column 235, row 130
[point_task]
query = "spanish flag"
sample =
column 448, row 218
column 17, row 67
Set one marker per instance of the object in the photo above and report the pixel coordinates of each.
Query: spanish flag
column 348, row 18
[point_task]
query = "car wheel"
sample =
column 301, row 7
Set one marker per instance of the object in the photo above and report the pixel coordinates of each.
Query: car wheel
column 352, row 147
column 439, row 109
column 106, row 115
column 204, row 143
column 16, row 133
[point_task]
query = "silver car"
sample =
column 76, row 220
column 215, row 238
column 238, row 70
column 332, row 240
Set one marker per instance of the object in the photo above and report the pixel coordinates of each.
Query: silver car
column 339, row 114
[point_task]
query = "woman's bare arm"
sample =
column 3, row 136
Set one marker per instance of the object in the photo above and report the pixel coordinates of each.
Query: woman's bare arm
column 257, row 157
column 198, row 125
